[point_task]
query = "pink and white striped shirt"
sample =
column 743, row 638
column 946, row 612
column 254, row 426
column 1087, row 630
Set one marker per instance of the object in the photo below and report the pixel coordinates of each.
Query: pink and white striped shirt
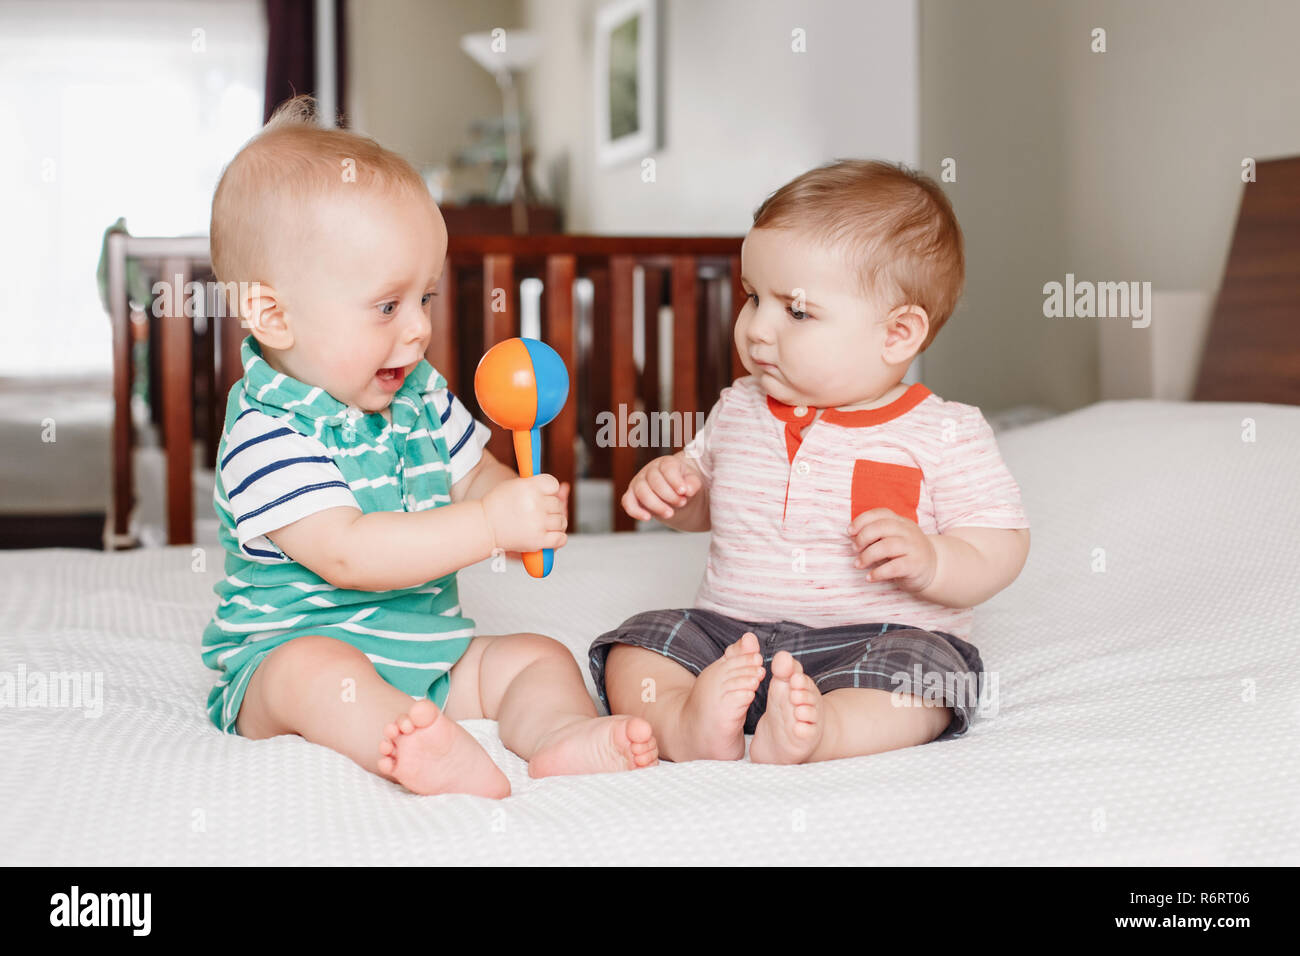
column 781, row 499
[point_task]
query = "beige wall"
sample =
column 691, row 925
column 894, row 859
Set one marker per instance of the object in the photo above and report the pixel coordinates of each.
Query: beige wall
column 991, row 94
column 1123, row 165
column 1160, row 123
column 742, row 112
column 409, row 84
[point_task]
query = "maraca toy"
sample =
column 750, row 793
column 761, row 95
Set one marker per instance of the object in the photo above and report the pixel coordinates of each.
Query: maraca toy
column 521, row 385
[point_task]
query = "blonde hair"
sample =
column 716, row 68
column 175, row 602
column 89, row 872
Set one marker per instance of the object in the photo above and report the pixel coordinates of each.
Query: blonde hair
column 258, row 207
column 895, row 224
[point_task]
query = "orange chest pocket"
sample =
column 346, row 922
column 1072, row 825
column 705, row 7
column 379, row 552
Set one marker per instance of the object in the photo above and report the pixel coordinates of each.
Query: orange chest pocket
column 882, row 484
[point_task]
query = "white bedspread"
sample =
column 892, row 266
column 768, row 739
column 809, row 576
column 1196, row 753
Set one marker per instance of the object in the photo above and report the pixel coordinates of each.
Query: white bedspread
column 1148, row 713
column 57, row 434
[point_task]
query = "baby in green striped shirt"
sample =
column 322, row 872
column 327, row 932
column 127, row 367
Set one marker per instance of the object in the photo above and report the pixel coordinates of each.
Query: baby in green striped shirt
column 352, row 486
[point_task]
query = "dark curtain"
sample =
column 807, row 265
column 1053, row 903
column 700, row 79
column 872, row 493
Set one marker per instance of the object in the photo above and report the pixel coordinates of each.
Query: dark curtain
column 291, row 53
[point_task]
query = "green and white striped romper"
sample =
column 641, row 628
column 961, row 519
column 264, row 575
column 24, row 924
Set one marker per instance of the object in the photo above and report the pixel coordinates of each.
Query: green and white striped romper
column 288, row 450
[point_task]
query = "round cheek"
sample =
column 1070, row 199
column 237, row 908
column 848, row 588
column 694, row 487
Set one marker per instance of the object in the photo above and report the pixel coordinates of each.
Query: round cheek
column 854, row 361
column 739, row 333
column 843, row 368
column 813, row 362
column 351, row 375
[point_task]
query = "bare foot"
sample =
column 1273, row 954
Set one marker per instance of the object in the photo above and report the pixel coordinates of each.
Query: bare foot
column 428, row 753
column 597, row 745
column 713, row 718
column 791, row 727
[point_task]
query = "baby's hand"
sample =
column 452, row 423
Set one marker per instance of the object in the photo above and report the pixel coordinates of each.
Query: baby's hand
column 527, row 514
column 564, row 503
column 880, row 535
column 665, row 483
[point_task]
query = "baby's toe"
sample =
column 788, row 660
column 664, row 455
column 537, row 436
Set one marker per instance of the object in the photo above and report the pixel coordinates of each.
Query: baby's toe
column 423, row 712
column 804, row 729
column 639, row 732
column 738, row 684
column 783, row 665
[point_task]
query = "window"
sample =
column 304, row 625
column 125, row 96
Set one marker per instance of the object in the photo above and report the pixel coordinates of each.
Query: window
column 109, row 109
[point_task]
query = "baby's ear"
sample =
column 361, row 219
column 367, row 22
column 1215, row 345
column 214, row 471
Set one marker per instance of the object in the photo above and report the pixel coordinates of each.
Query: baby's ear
column 906, row 329
column 262, row 314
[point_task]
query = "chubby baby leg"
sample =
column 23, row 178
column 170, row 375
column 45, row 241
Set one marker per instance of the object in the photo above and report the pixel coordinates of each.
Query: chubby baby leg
column 531, row 685
column 869, row 721
column 328, row 692
column 694, row 718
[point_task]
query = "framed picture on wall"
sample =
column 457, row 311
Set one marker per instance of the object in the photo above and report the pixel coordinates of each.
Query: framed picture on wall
column 627, row 80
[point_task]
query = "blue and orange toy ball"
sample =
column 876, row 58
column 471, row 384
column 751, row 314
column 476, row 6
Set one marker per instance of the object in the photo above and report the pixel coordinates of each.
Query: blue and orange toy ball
column 521, row 385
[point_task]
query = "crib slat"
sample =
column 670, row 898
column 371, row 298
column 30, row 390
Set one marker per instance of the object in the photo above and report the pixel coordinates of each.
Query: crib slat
column 622, row 380
column 500, row 322
column 123, row 366
column 685, row 335
column 558, row 333
column 178, row 410
column 714, row 331
column 594, row 393
column 500, row 309
column 211, row 413
column 650, row 371
column 441, row 353
column 737, row 303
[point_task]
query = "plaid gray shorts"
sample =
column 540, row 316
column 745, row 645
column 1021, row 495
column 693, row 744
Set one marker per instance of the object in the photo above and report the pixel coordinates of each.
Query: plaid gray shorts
column 880, row 656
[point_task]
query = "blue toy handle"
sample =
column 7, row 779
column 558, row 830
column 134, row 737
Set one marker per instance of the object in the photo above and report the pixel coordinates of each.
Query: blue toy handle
column 528, row 452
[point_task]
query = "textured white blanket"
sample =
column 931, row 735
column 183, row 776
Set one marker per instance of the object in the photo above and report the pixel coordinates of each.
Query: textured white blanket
column 1147, row 713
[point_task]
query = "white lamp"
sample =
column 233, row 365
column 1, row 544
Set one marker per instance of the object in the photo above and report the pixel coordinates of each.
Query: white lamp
column 503, row 53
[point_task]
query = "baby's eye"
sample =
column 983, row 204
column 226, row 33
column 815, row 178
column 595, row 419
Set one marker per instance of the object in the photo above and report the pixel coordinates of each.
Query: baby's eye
column 795, row 313
column 428, row 297
column 387, row 308
column 752, row 295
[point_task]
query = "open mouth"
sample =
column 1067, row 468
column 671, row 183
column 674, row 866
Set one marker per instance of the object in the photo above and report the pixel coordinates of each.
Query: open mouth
column 392, row 378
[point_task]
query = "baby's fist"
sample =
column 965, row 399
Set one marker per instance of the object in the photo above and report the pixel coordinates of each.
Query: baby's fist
column 664, row 484
column 526, row 514
column 894, row 548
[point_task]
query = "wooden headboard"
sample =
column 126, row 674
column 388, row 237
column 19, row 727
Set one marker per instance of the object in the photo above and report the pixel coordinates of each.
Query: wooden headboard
column 1252, row 350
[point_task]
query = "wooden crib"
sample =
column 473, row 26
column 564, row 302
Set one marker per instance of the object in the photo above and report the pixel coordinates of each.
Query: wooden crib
column 601, row 304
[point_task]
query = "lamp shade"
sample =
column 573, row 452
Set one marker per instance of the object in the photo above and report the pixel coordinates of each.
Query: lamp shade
column 514, row 50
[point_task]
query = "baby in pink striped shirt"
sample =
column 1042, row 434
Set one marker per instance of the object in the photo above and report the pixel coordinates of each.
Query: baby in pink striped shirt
column 856, row 520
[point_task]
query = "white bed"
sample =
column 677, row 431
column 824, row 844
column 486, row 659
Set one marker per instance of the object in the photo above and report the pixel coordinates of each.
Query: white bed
column 1147, row 714
column 70, row 474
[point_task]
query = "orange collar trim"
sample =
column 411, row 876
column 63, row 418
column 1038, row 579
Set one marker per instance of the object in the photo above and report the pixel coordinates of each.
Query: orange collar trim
column 858, row 418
